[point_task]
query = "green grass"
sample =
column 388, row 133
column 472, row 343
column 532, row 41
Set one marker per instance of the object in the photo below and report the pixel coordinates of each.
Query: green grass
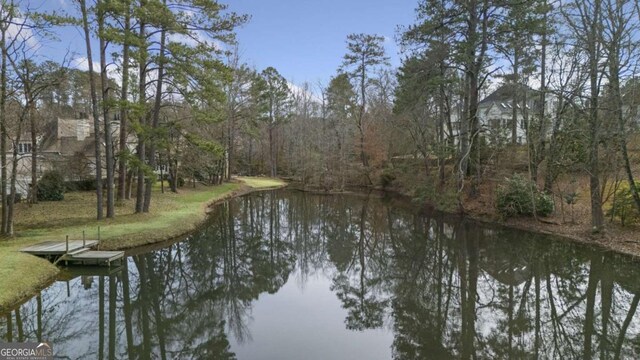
column 171, row 215
column 21, row 275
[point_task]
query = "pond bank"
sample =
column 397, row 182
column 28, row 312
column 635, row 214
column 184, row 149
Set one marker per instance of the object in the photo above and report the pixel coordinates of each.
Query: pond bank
column 575, row 227
column 171, row 216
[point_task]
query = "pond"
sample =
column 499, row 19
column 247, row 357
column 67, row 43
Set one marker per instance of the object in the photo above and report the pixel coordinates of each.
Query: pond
column 290, row 275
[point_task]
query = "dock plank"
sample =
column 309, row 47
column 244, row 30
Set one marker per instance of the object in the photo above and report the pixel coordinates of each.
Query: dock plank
column 93, row 257
column 58, row 247
column 98, row 255
column 76, row 252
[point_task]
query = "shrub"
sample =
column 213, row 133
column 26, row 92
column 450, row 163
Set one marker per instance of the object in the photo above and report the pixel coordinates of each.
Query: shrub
column 51, row 186
column 80, row 185
column 17, row 198
column 515, row 198
column 387, row 178
column 623, row 206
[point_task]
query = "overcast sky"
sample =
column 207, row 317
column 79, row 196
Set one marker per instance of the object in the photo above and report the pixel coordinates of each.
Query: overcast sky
column 303, row 39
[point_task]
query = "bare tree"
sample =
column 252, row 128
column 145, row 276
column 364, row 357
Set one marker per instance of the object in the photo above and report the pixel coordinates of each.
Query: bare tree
column 584, row 21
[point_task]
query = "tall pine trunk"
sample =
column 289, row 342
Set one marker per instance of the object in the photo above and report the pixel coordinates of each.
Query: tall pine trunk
column 155, row 122
column 108, row 143
column 123, row 150
column 3, row 128
column 13, row 179
column 542, row 128
column 94, row 107
column 142, row 89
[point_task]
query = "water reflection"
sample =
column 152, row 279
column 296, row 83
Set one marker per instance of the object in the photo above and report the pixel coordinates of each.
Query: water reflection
column 441, row 287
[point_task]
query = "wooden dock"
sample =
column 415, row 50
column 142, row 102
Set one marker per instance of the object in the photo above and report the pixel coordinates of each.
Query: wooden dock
column 57, row 248
column 90, row 257
column 74, row 252
column 73, row 272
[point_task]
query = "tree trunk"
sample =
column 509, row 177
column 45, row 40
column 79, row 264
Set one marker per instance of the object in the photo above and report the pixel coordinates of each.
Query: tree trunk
column 443, row 110
column 94, row 107
column 542, row 127
column 625, row 326
column 173, row 174
column 272, row 157
column 34, row 152
column 597, row 216
column 470, row 97
column 108, row 143
column 14, row 174
column 592, row 286
column 12, row 192
column 155, row 121
column 126, row 304
column 129, row 186
column 122, row 160
column 363, row 104
column 3, row 129
column 551, row 152
column 142, row 88
column 514, row 100
column 614, row 84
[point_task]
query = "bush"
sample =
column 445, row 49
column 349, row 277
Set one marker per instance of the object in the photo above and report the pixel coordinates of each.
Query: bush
column 80, row 185
column 387, row 178
column 17, row 198
column 51, row 186
column 515, row 198
column 623, row 206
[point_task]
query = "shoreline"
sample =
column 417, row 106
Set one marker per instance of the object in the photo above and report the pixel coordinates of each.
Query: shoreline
column 604, row 241
column 17, row 287
column 141, row 242
column 610, row 240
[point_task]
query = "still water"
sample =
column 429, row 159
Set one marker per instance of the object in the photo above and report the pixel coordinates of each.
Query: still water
column 288, row 275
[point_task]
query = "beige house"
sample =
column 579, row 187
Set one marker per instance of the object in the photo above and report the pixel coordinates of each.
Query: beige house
column 66, row 145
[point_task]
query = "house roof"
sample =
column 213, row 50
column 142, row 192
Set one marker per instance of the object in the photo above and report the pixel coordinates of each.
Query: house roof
column 505, row 93
column 68, row 136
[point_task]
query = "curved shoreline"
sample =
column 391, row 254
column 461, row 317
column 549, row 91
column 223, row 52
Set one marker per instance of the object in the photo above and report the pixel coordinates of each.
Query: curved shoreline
column 43, row 273
column 601, row 241
column 575, row 233
column 144, row 241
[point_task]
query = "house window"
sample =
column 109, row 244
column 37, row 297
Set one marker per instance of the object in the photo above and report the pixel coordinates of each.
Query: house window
column 24, row 148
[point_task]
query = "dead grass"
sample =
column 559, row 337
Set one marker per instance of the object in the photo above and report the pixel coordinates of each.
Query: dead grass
column 171, row 215
column 262, row 182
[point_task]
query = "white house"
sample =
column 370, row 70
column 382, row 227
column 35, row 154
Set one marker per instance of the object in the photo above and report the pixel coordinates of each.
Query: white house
column 495, row 113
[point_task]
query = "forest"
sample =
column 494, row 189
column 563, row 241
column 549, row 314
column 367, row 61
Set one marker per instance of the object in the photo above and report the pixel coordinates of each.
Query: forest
column 531, row 103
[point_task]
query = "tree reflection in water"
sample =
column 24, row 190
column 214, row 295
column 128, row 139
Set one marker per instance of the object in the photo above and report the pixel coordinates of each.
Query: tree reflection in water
column 445, row 287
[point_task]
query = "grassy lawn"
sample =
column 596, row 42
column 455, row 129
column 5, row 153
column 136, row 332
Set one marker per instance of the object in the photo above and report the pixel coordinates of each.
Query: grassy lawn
column 170, row 215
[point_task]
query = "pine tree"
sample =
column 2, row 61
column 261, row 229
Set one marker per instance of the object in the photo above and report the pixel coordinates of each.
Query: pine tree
column 364, row 53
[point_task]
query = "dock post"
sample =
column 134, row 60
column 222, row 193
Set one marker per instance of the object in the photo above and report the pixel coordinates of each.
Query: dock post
column 98, row 233
column 83, row 239
column 67, row 242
